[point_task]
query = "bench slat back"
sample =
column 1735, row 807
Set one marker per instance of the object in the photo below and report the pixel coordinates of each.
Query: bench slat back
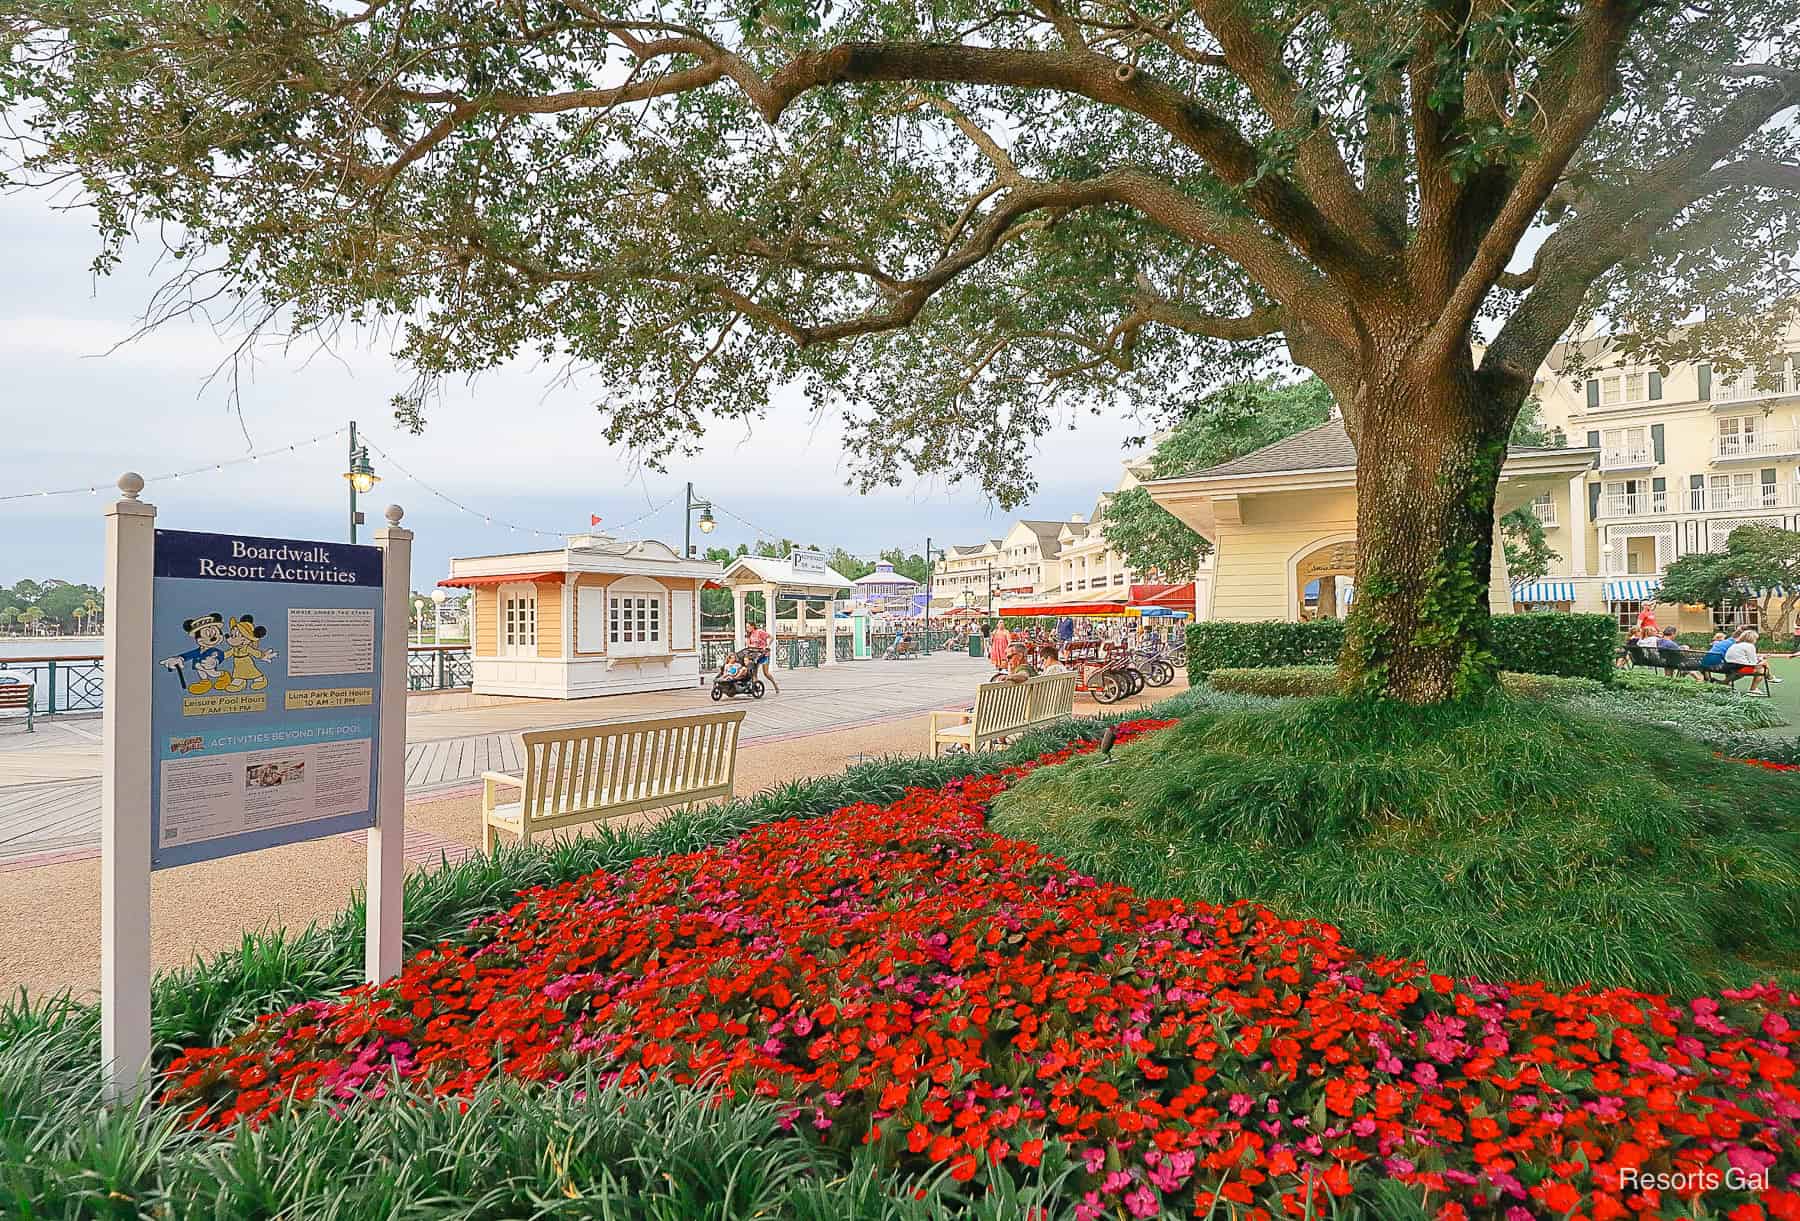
column 1051, row 696
column 1000, row 706
column 15, row 695
column 654, row 762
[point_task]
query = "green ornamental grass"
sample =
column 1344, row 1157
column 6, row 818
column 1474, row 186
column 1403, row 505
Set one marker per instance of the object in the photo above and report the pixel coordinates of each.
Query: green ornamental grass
column 1518, row 838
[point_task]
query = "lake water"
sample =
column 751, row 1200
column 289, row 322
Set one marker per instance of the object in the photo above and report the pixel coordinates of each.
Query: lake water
column 49, row 646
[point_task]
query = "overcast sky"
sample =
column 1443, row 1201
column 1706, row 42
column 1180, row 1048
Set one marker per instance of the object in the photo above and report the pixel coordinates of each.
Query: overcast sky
column 77, row 414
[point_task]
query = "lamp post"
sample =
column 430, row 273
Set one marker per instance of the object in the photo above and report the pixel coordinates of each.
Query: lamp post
column 361, row 477
column 419, row 614
column 438, row 597
column 707, row 524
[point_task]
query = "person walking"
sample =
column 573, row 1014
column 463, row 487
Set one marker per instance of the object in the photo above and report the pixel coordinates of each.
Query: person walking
column 761, row 642
column 998, row 645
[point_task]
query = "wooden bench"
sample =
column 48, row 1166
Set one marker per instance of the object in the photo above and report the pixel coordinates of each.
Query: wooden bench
column 1003, row 709
column 18, row 697
column 590, row 773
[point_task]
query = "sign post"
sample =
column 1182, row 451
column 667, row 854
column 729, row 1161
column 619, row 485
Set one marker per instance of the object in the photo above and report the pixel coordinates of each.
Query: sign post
column 125, row 780
column 247, row 679
column 387, row 856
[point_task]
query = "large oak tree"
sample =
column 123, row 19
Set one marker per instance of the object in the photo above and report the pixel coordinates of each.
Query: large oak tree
column 963, row 219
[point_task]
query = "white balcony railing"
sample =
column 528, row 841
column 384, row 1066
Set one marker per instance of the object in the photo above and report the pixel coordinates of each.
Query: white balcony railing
column 1546, row 514
column 1742, row 387
column 1775, row 444
column 1615, row 458
column 1634, row 504
column 1734, row 500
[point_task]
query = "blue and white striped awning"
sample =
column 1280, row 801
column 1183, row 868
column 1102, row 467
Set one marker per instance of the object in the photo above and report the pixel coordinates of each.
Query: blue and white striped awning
column 1530, row 592
column 1635, row 589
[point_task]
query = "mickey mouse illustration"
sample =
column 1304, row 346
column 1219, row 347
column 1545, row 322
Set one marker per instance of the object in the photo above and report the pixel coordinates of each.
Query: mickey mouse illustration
column 243, row 651
column 206, row 657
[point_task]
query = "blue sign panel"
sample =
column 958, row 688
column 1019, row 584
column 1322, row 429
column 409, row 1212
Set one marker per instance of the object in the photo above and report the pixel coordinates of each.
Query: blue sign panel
column 265, row 707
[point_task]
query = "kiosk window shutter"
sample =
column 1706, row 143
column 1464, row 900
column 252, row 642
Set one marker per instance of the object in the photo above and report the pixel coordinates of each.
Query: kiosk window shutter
column 1656, row 430
column 1655, row 388
column 1593, row 391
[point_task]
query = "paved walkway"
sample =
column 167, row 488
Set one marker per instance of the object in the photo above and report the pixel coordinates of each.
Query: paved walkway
column 50, row 781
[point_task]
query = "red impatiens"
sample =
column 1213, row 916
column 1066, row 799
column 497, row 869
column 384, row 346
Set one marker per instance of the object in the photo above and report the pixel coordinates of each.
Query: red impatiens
column 899, row 977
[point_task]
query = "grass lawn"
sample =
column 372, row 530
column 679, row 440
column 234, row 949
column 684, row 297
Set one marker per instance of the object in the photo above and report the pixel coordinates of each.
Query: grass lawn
column 1787, row 695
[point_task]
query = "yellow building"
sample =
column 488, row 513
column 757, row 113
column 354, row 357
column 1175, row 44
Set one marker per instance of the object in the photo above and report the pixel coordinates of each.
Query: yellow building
column 1282, row 521
column 597, row 617
column 1684, row 458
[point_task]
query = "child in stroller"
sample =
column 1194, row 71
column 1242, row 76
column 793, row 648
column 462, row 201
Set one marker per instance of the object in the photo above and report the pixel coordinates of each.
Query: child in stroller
column 737, row 676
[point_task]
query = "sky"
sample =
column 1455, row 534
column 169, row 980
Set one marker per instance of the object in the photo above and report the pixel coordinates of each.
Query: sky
column 78, row 407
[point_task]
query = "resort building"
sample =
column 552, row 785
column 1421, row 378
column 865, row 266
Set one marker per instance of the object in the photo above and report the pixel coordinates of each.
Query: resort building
column 1282, row 521
column 596, row 617
column 967, row 575
column 1684, row 458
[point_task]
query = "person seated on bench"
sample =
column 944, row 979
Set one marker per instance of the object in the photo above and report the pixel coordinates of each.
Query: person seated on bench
column 1049, row 662
column 1671, row 650
column 1714, row 661
column 1741, row 658
column 1018, row 664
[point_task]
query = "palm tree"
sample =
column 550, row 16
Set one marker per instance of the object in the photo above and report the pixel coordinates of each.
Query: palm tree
column 31, row 617
column 89, row 609
column 9, row 616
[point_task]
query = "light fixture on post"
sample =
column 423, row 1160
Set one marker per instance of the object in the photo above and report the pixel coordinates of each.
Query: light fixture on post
column 419, row 617
column 707, row 524
column 361, row 476
column 438, row 597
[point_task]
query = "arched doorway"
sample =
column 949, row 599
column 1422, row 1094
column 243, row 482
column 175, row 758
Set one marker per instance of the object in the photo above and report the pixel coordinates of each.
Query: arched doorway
column 1323, row 579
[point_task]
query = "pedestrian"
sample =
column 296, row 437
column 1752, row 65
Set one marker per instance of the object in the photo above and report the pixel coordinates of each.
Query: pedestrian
column 998, row 644
column 761, row 642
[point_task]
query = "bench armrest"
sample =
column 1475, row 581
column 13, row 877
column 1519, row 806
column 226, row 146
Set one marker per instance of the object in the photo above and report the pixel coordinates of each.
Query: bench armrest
column 962, row 716
column 517, row 782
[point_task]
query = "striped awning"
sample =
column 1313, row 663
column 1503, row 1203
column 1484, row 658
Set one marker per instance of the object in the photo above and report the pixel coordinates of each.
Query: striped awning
column 1530, row 592
column 1634, row 589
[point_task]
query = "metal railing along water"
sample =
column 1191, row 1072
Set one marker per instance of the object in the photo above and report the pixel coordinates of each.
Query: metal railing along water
column 67, row 683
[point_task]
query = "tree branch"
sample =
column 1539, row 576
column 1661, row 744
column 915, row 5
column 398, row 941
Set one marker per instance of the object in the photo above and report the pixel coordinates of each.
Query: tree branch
column 1610, row 227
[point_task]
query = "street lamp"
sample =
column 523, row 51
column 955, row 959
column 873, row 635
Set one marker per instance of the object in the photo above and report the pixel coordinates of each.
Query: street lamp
column 361, row 476
column 437, row 619
column 707, row 524
column 419, row 609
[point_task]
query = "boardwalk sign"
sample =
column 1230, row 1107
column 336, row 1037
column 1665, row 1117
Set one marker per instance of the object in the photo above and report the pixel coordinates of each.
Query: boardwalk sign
column 246, row 684
column 264, row 701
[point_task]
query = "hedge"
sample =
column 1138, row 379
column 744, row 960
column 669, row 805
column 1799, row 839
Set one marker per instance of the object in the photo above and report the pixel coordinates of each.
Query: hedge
column 1279, row 681
column 1539, row 642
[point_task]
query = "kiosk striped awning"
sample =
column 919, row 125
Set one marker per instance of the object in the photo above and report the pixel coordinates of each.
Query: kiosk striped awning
column 1530, row 592
column 1634, row 589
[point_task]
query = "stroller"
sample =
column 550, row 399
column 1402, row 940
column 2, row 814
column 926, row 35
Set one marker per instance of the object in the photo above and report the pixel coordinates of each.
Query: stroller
column 737, row 676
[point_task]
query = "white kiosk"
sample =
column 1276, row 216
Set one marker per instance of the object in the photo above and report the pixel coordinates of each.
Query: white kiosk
column 800, row 574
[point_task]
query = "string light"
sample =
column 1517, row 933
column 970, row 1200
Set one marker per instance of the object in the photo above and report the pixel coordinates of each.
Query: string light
column 172, row 476
column 396, row 464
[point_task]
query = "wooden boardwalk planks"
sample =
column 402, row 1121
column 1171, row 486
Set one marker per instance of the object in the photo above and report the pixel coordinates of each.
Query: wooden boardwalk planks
column 50, row 788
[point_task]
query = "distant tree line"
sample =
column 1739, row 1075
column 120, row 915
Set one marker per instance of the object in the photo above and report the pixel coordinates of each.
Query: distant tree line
column 50, row 608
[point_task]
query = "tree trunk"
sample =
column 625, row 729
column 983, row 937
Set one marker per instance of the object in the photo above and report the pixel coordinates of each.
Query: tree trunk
column 1429, row 452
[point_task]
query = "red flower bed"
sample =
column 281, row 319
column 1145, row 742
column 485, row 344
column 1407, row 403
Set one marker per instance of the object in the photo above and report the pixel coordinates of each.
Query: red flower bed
column 900, row 977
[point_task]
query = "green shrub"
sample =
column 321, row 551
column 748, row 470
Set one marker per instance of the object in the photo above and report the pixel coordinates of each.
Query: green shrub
column 1218, row 645
column 1276, row 681
column 1555, row 642
column 1508, row 838
column 1289, row 681
column 1544, row 642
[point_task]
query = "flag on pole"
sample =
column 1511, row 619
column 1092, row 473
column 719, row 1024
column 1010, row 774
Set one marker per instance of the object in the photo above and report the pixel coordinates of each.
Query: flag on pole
column 593, row 519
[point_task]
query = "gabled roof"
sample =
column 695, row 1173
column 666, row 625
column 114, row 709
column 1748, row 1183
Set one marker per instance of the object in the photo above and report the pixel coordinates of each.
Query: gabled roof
column 1325, row 447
